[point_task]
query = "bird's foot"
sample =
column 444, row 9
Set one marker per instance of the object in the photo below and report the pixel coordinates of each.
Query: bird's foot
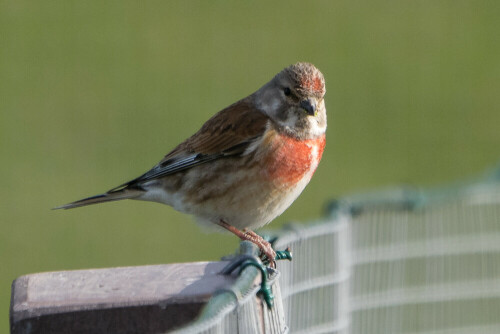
column 268, row 254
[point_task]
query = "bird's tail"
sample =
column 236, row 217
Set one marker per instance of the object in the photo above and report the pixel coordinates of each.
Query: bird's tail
column 110, row 196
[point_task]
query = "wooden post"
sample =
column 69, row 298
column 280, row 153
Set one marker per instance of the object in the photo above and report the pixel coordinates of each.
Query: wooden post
column 146, row 299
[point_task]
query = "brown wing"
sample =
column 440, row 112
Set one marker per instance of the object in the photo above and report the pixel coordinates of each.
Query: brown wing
column 234, row 125
column 227, row 133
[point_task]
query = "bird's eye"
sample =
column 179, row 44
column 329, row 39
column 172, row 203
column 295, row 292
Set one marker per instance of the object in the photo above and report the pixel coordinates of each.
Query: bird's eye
column 287, row 91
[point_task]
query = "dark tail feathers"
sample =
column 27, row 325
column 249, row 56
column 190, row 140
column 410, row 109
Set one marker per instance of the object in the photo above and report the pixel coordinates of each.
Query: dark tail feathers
column 107, row 197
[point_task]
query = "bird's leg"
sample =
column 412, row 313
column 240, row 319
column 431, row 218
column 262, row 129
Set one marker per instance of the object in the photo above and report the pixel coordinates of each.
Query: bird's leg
column 254, row 238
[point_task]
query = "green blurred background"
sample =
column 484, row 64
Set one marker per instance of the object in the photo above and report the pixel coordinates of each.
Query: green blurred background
column 94, row 93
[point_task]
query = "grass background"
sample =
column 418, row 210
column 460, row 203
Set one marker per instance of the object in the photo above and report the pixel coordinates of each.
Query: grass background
column 94, row 93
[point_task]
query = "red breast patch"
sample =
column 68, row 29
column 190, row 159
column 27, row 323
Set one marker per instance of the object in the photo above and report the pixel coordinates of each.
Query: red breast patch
column 292, row 159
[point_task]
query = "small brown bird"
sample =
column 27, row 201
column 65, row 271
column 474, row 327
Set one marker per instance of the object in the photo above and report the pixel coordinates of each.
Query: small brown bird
column 247, row 164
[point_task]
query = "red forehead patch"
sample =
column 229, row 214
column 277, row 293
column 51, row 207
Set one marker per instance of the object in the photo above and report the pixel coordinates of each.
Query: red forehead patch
column 314, row 84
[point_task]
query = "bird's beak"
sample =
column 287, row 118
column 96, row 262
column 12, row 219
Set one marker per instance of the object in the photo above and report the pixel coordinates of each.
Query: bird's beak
column 309, row 105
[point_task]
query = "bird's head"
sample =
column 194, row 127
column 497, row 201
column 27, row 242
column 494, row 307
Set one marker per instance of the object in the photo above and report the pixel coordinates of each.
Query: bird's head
column 294, row 100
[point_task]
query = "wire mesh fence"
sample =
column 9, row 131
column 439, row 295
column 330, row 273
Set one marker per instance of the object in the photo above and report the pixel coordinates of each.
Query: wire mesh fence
column 238, row 309
column 397, row 261
column 432, row 268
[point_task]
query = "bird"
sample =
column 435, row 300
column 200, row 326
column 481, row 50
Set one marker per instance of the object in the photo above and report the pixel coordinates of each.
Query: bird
column 247, row 164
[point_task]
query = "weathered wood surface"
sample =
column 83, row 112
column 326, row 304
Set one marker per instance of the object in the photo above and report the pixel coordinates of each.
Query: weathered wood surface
column 146, row 299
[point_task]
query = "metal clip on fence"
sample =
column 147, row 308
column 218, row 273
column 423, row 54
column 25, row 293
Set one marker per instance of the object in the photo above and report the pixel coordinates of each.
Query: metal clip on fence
column 265, row 288
column 244, row 261
column 284, row 255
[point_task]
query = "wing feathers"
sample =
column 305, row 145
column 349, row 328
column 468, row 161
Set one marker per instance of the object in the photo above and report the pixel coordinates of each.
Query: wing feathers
column 166, row 168
column 228, row 133
column 236, row 124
